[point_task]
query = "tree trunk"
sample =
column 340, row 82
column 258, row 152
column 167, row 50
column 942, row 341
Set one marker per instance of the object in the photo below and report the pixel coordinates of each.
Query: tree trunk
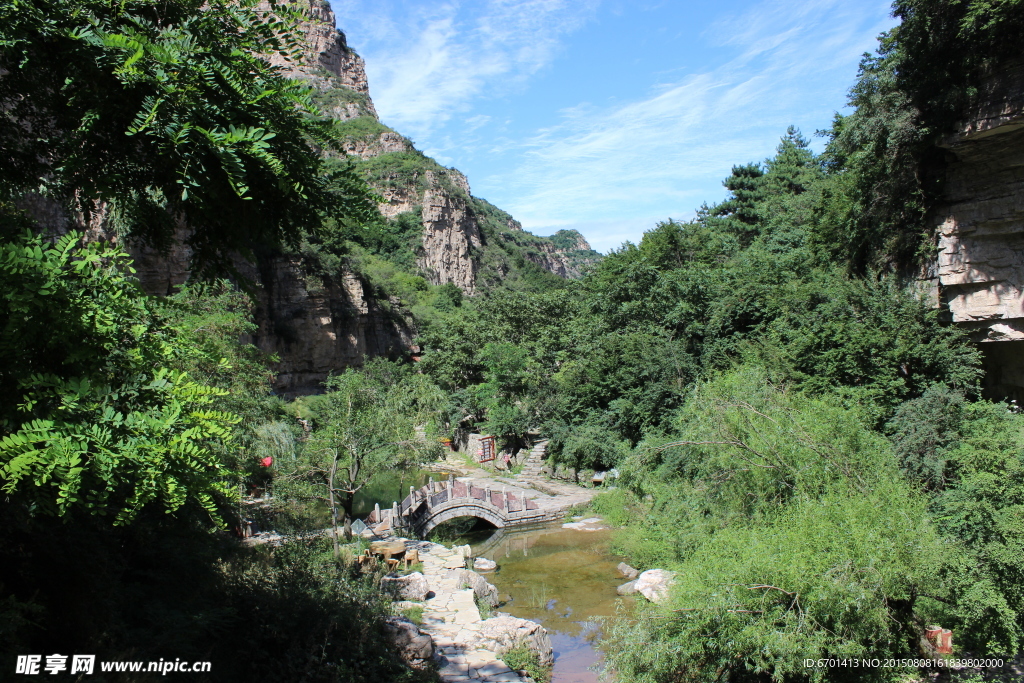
column 334, row 508
column 347, row 503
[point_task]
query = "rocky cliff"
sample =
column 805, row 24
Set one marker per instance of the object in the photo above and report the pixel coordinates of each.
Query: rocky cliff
column 979, row 269
column 317, row 323
column 457, row 229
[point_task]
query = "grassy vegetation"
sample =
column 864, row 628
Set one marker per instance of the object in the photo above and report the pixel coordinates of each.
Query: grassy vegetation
column 523, row 658
column 414, row 614
column 405, row 170
column 484, row 607
column 337, row 98
column 361, row 128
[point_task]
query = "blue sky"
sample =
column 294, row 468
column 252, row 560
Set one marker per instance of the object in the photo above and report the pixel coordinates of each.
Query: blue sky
column 607, row 116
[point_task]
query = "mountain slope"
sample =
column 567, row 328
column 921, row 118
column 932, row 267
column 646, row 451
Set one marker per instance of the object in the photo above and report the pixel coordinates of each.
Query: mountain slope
column 324, row 309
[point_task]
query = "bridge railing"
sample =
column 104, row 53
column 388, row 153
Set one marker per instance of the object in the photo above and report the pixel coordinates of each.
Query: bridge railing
column 438, row 493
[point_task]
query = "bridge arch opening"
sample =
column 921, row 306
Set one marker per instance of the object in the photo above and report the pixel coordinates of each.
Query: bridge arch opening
column 461, row 527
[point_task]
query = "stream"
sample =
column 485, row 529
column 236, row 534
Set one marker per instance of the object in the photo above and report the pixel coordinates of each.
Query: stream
column 565, row 579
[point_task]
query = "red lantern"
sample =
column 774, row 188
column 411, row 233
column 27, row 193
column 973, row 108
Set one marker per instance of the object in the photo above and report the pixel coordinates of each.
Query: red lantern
column 266, row 462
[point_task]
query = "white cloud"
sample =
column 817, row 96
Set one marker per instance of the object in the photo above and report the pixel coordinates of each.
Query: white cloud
column 430, row 65
column 654, row 156
column 608, row 171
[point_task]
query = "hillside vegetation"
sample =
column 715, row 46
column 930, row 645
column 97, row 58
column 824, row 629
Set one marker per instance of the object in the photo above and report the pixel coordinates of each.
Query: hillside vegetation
column 798, row 433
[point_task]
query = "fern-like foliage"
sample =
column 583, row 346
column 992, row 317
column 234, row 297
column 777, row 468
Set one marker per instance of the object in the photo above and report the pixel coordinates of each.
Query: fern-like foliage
column 173, row 108
column 91, row 415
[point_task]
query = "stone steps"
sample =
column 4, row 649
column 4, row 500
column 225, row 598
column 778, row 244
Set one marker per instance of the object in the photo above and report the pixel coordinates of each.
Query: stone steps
column 533, row 468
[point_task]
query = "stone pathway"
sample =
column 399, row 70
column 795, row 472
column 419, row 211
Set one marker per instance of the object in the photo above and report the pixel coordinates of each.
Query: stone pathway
column 534, row 465
column 465, row 647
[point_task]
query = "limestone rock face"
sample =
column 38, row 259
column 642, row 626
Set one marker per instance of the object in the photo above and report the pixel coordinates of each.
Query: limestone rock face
column 160, row 273
column 326, row 53
column 978, row 276
column 980, row 264
column 562, row 261
column 654, row 584
column 503, row 633
column 320, row 326
column 387, row 142
column 450, row 237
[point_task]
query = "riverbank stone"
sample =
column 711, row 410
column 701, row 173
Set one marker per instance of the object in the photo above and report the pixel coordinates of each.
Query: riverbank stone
column 412, row 643
column 627, row 588
column 484, row 592
column 654, row 584
column 466, row 647
column 627, row 571
column 410, row 587
column 505, row 633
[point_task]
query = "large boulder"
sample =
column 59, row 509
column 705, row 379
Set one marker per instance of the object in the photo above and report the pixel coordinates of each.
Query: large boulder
column 627, row 571
column 482, row 564
column 654, row 584
column 411, row 643
column 482, row 591
column 503, row 633
column 410, row 587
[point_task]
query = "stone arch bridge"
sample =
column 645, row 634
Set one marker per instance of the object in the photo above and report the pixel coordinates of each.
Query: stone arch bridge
column 437, row 502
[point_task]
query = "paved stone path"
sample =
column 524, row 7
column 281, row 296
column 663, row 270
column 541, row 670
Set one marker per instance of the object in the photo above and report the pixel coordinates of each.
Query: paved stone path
column 453, row 620
column 533, row 468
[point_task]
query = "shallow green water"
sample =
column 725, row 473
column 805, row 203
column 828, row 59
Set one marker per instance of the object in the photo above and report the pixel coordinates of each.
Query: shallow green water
column 563, row 578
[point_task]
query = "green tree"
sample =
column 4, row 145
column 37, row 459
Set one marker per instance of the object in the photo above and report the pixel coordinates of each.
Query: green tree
column 970, row 457
column 93, row 415
column 867, row 339
column 150, row 116
column 739, row 213
column 208, row 321
column 793, row 534
column 364, row 425
column 585, row 446
column 508, row 392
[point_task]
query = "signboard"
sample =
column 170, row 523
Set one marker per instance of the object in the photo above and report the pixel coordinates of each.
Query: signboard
column 487, row 449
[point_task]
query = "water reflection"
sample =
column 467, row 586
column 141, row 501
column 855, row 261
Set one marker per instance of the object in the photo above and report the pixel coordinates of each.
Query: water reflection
column 563, row 578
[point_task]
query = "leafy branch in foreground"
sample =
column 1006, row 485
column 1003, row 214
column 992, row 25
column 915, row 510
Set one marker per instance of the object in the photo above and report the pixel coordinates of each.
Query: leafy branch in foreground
column 156, row 116
column 92, row 415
